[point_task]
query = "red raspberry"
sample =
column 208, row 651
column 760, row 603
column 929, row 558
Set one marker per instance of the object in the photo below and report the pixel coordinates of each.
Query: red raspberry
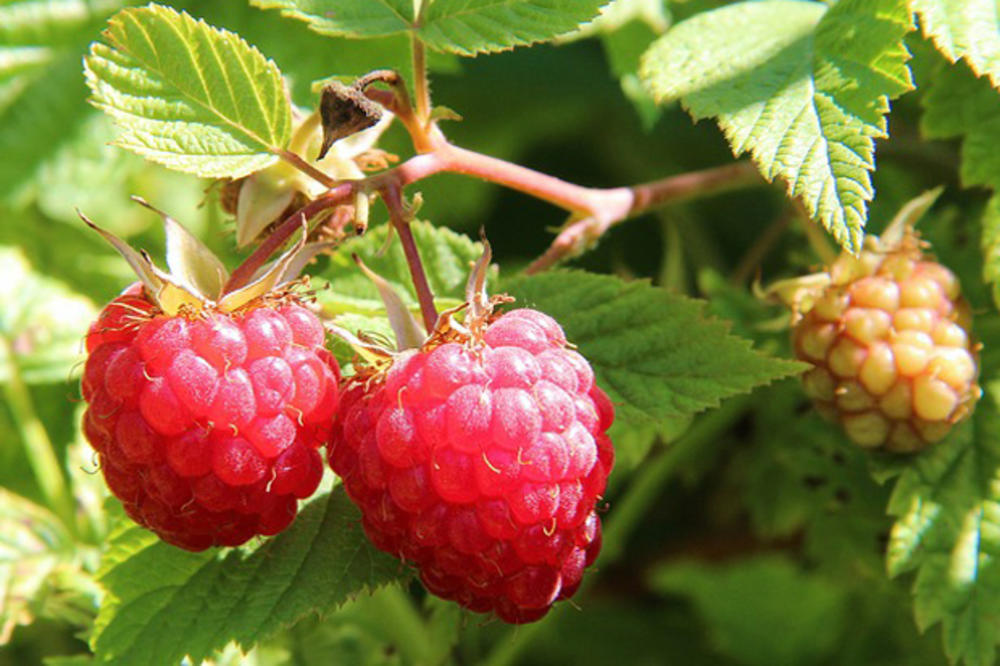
column 481, row 464
column 889, row 342
column 208, row 426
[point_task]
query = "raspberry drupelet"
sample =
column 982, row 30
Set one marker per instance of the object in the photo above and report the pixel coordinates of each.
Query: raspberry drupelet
column 480, row 461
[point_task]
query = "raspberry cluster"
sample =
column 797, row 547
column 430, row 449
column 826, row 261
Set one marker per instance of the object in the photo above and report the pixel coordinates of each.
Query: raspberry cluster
column 207, row 427
column 480, row 462
column 890, row 346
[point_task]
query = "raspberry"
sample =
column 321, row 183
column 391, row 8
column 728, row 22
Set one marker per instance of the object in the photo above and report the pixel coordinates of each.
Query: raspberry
column 207, row 425
column 889, row 342
column 480, row 462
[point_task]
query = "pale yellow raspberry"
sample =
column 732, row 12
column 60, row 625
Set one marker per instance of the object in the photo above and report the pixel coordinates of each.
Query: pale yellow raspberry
column 889, row 341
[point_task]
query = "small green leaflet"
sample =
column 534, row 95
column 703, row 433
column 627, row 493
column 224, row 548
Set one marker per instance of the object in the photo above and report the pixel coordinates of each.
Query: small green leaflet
column 465, row 27
column 212, row 598
column 964, row 29
column 187, row 95
column 947, row 531
column 655, row 353
column 803, row 88
column 42, row 323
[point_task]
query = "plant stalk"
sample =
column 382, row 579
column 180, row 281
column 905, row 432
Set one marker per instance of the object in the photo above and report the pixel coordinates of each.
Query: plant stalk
column 308, row 169
column 393, row 198
column 37, row 446
column 594, row 210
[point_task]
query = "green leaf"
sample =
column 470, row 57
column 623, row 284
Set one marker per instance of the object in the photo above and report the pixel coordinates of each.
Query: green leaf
column 33, row 545
column 468, row 27
column 447, row 257
column 957, row 104
column 802, row 88
column 347, row 18
column 654, row 352
column 748, row 606
column 947, row 530
column 187, row 95
column 197, row 602
column 42, row 323
column 990, row 243
column 964, row 29
column 465, row 27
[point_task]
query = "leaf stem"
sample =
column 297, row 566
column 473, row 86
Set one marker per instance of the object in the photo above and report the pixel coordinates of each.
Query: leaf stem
column 755, row 255
column 421, row 85
column 37, row 445
column 393, row 197
column 308, row 169
column 245, row 271
column 626, row 515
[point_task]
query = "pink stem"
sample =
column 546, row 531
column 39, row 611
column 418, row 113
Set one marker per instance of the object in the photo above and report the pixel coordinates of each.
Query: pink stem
column 597, row 209
column 393, row 197
column 241, row 276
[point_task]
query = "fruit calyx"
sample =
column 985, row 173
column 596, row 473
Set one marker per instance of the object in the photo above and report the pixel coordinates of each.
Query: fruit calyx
column 196, row 282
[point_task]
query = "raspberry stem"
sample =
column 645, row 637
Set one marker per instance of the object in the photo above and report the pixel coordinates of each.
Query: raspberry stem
column 393, row 197
column 595, row 210
column 38, row 447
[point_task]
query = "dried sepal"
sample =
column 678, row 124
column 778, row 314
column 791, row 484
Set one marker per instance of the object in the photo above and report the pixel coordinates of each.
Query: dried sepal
column 192, row 265
column 140, row 264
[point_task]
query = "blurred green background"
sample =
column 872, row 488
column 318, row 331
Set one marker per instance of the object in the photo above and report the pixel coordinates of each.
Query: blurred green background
column 753, row 538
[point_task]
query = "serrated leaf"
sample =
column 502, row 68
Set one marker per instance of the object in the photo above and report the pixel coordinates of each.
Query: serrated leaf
column 654, row 352
column 947, row 531
column 746, row 608
column 163, row 603
column 189, row 96
column 802, row 88
column 964, row 29
column 464, row 27
column 42, row 323
column 347, row 18
column 468, row 27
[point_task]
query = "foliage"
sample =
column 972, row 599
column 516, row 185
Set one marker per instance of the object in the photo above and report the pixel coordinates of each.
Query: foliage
column 740, row 530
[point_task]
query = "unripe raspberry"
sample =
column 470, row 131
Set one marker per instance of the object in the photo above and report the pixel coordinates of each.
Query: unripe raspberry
column 889, row 342
column 480, row 462
column 207, row 425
